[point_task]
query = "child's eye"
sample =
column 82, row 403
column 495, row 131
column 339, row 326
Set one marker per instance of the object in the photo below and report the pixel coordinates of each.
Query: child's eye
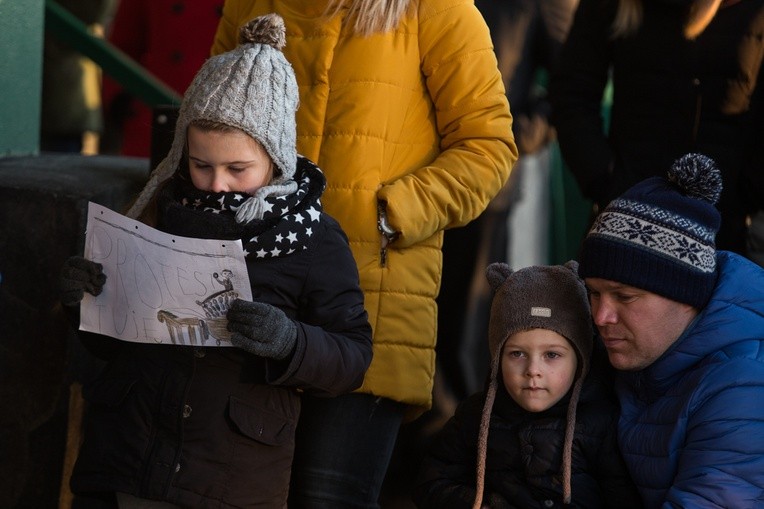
column 553, row 355
column 516, row 354
column 236, row 169
column 625, row 297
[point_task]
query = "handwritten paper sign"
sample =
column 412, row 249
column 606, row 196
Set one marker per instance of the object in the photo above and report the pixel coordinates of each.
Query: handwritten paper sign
column 161, row 288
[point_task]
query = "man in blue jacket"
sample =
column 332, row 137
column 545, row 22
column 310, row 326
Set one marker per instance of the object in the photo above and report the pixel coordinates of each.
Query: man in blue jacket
column 683, row 325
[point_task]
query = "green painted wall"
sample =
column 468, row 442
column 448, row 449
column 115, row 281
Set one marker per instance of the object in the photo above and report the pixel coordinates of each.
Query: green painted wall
column 21, row 36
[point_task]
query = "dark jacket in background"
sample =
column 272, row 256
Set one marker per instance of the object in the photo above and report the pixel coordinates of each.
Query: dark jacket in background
column 671, row 96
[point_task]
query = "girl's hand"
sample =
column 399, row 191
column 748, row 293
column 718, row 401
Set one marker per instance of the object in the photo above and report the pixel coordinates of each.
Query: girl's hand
column 261, row 329
column 80, row 275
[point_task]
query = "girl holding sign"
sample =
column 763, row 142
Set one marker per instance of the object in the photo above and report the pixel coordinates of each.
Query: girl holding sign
column 198, row 426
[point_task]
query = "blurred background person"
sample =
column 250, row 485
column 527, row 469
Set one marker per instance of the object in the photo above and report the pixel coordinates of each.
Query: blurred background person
column 171, row 39
column 71, row 114
column 686, row 77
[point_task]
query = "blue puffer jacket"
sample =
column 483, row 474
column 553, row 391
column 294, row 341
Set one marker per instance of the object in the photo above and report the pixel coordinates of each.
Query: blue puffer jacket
column 692, row 423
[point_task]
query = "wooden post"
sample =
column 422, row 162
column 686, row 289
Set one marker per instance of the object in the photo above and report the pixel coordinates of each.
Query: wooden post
column 73, row 440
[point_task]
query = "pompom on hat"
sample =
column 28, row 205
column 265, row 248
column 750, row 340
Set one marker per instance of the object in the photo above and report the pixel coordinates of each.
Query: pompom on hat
column 660, row 235
column 252, row 88
column 540, row 297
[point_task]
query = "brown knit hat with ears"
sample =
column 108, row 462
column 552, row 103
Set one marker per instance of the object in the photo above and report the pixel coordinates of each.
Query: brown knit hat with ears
column 540, row 297
column 252, row 88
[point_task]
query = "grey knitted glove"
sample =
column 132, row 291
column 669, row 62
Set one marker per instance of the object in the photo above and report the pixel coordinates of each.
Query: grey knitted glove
column 261, row 329
column 79, row 275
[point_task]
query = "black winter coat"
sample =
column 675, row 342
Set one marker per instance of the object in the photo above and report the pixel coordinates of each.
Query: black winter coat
column 214, row 427
column 524, row 456
column 671, row 96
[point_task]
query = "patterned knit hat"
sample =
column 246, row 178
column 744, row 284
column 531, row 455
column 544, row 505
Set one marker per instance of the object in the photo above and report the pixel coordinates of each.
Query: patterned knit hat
column 252, row 88
column 540, row 297
column 659, row 235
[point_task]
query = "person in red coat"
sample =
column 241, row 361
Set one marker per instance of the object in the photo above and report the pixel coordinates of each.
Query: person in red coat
column 171, row 39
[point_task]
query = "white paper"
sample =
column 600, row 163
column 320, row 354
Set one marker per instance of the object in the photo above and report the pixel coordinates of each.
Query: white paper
column 161, row 288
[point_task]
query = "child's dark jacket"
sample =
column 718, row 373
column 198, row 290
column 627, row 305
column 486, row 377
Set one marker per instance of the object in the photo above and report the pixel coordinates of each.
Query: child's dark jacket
column 523, row 462
column 214, row 427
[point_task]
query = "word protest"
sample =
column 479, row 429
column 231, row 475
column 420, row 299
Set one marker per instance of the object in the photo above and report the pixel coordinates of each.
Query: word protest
column 161, row 288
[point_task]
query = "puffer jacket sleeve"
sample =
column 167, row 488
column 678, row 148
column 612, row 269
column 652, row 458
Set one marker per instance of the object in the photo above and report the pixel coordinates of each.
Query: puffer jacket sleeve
column 447, row 473
column 576, row 91
column 333, row 349
column 722, row 457
column 473, row 119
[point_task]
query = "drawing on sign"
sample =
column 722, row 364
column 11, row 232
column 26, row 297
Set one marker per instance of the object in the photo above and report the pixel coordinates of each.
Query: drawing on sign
column 194, row 330
column 161, row 288
column 179, row 328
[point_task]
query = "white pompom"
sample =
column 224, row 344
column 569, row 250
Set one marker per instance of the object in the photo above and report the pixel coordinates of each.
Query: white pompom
column 697, row 176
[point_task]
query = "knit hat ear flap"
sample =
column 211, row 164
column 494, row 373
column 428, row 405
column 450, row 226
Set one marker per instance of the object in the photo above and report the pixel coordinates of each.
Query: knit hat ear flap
column 496, row 273
column 570, row 424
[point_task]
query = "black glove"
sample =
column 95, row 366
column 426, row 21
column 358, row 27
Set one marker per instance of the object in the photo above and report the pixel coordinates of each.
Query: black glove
column 80, row 275
column 261, row 329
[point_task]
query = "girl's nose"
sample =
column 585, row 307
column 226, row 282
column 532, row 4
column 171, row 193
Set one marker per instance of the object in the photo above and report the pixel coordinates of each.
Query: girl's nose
column 219, row 183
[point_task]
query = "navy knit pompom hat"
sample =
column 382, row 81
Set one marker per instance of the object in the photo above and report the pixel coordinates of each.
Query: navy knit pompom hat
column 660, row 234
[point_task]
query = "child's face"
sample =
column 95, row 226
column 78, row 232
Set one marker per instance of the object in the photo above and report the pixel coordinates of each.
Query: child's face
column 538, row 367
column 230, row 161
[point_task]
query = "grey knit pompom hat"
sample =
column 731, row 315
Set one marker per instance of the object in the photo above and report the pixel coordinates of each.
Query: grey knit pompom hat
column 252, row 88
column 549, row 297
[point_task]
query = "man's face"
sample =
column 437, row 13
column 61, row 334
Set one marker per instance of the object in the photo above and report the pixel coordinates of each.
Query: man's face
column 636, row 326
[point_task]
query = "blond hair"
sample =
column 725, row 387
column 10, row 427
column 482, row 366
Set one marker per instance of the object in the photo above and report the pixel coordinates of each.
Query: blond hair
column 701, row 14
column 628, row 17
column 370, row 16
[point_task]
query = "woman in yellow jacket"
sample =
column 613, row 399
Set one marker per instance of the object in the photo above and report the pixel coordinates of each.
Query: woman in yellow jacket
column 403, row 106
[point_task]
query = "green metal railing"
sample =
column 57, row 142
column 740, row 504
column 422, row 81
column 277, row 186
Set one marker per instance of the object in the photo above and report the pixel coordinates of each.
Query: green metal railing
column 21, row 41
column 115, row 63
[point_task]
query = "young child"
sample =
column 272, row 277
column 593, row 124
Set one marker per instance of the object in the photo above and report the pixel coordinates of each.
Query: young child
column 214, row 427
column 543, row 434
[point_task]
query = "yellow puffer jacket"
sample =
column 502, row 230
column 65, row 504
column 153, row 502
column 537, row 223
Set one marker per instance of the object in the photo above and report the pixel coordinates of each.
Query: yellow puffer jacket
column 417, row 118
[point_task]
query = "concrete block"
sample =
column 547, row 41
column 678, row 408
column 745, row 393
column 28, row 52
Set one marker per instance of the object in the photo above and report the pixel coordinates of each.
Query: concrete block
column 43, row 208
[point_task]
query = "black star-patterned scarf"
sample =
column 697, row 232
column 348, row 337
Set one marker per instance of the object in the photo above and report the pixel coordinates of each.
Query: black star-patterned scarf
column 286, row 227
